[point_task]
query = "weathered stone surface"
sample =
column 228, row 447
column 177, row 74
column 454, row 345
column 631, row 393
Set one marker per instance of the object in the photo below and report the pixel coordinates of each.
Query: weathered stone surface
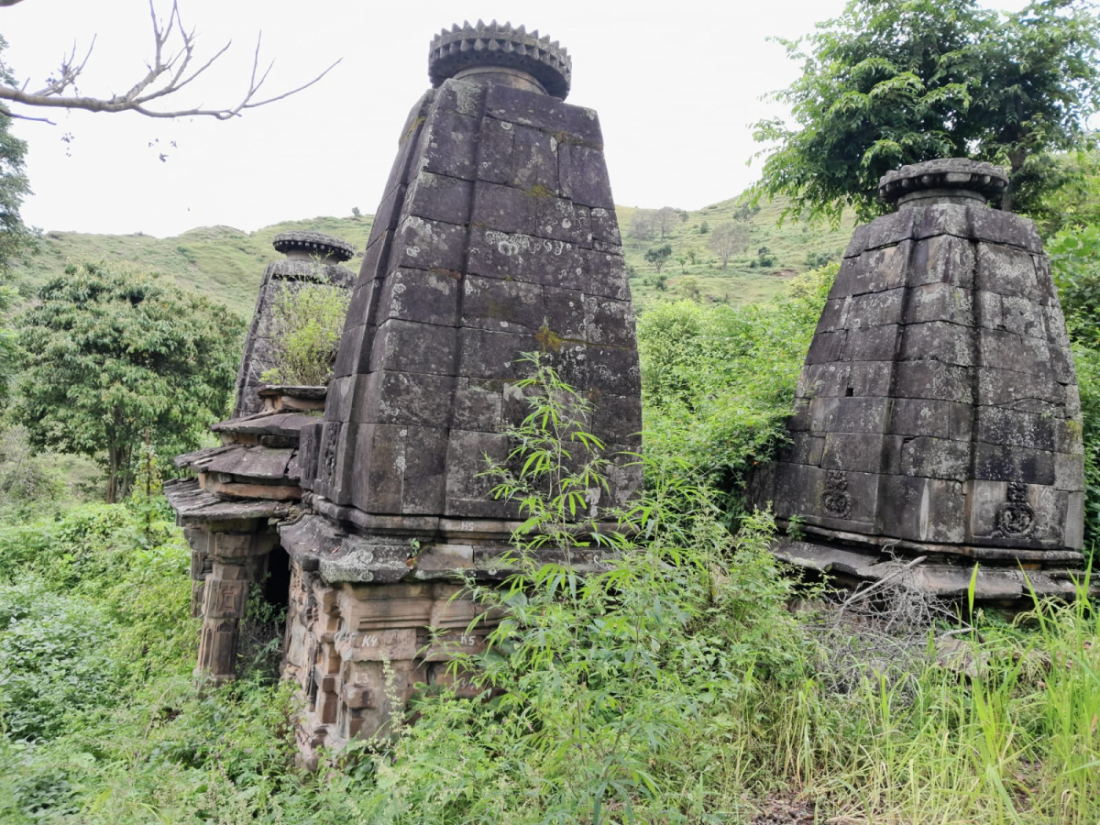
column 875, row 343
column 194, row 506
column 938, row 405
column 495, row 45
column 876, row 271
column 492, row 257
column 943, row 179
column 937, row 419
column 942, row 259
column 998, row 425
column 250, row 462
column 939, row 304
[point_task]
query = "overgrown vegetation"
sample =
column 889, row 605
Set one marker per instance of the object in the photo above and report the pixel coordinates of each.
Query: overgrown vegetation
column 718, row 381
column 690, row 680
column 894, row 82
column 673, row 686
column 306, row 322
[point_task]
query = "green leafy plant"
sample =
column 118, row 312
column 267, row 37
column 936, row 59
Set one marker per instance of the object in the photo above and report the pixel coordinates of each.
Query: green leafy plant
column 1075, row 264
column 593, row 680
column 658, row 256
column 109, row 354
column 717, row 381
column 556, row 470
column 307, row 320
column 891, row 82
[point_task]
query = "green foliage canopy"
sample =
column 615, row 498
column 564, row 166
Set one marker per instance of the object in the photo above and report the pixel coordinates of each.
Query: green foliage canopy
column 1075, row 263
column 110, row 355
column 892, row 82
column 14, row 237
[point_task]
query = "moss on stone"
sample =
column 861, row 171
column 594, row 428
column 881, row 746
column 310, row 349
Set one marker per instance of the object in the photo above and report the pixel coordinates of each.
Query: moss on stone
column 549, row 341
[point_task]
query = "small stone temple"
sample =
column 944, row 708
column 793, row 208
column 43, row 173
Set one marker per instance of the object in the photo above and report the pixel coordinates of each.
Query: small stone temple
column 248, row 483
column 937, row 416
column 496, row 235
column 311, row 258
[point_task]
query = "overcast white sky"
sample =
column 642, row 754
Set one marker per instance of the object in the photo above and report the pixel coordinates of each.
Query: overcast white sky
column 676, row 85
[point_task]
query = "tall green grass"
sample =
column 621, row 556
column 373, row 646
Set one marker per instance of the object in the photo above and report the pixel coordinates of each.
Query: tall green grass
column 674, row 687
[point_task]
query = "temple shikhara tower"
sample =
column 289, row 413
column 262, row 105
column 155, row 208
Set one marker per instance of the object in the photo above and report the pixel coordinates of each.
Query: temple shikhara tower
column 311, row 258
column 937, row 413
column 495, row 236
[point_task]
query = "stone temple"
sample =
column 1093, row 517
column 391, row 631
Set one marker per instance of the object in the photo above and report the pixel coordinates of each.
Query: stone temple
column 937, row 414
column 311, row 258
column 495, row 236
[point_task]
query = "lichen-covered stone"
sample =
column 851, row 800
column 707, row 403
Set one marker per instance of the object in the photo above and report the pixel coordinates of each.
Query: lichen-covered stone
column 496, row 236
column 941, row 369
column 487, row 260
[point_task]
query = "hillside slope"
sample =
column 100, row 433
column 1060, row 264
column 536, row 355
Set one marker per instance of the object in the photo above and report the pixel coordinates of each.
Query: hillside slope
column 221, row 262
column 226, row 264
column 750, row 276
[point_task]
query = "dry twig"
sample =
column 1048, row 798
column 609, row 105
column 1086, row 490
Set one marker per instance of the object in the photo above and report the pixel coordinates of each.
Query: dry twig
column 168, row 73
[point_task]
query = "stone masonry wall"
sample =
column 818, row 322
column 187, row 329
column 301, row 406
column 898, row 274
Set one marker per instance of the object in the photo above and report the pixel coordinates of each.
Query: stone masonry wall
column 496, row 236
column 938, row 401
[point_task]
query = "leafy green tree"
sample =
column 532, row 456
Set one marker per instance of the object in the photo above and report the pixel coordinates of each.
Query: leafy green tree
column 110, row 355
column 892, row 82
column 745, row 212
column 659, row 256
column 728, row 239
column 764, row 257
column 1075, row 262
column 691, row 289
column 15, row 240
column 816, row 260
column 1075, row 203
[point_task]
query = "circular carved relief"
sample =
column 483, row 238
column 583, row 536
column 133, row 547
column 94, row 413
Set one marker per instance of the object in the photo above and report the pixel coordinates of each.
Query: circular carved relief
column 1016, row 518
column 836, row 499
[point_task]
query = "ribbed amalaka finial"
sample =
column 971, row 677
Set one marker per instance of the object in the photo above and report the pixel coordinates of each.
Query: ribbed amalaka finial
column 944, row 178
column 497, row 44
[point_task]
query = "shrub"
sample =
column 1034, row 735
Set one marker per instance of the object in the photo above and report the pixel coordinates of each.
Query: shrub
column 27, row 485
column 307, row 321
column 591, row 683
column 718, row 381
column 1075, row 264
column 53, row 662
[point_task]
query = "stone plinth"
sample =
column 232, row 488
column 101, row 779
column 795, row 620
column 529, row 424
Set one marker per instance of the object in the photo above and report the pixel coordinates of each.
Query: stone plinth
column 311, row 258
column 937, row 413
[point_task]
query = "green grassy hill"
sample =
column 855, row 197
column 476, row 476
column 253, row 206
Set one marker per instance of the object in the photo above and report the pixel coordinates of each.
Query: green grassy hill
column 745, row 280
column 219, row 261
column 226, row 264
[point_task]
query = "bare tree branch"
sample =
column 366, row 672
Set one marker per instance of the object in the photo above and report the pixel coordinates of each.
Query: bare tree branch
column 4, row 110
column 164, row 76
